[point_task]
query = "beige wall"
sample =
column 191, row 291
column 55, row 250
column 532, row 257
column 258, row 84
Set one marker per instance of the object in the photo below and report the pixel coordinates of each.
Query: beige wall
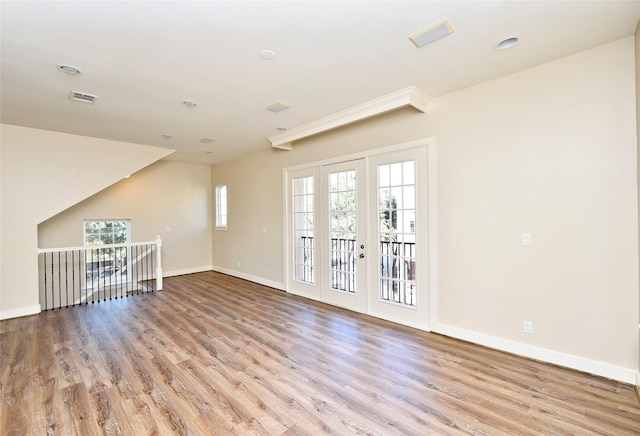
column 170, row 199
column 42, row 174
column 549, row 151
column 637, row 57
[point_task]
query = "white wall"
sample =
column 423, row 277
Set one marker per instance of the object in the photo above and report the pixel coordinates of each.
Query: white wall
column 637, row 58
column 170, row 199
column 43, row 173
column 549, row 151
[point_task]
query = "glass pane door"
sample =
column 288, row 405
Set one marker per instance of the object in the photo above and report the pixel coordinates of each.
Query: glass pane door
column 344, row 187
column 399, row 208
column 397, row 232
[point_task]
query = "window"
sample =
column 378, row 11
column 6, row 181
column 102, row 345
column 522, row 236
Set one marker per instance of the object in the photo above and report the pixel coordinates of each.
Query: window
column 221, row 206
column 303, row 217
column 106, row 265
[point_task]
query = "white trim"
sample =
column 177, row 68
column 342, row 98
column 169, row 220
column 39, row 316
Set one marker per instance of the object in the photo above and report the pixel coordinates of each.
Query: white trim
column 409, row 96
column 22, row 311
column 403, row 322
column 432, row 213
column 95, row 247
column 181, row 272
column 625, row 375
column 364, row 154
column 276, row 285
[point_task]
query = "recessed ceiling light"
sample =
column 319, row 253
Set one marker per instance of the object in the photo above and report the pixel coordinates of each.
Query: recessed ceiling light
column 278, row 106
column 432, row 33
column 508, row 43
column 207, row 140
column 189, row 103
column 267, row 55
column 68, row 69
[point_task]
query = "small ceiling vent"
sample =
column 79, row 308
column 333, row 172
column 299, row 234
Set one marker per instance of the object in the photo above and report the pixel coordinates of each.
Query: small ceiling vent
column 83, row 97
column 278, row 106
column 432, row 33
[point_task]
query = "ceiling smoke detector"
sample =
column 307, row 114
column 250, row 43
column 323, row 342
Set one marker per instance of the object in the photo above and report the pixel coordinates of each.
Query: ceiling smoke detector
column 82, row 97
column 267, row 55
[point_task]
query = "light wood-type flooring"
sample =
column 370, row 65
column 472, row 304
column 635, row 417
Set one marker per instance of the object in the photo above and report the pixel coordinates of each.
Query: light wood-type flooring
column 216, row 355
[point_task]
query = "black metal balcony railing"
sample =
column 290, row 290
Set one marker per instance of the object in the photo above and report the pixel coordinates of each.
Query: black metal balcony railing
column 397, row 268
column 303, row 263
column 80, row 275
column 398, row 272
column 343, row 264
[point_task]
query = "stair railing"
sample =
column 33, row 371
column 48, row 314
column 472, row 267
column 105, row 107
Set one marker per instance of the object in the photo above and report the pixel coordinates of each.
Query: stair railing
column 92, row 273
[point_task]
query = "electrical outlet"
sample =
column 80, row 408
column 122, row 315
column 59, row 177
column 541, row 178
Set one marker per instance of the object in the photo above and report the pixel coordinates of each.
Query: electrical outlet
column 527, row 326
column 526, row 239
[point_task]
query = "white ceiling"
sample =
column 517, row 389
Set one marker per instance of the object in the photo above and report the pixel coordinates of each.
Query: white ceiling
column 143, row 58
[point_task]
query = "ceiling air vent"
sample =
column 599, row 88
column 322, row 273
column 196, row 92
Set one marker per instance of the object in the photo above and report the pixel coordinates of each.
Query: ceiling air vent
column 278, row 106
column 432, row 33
column 82, row 96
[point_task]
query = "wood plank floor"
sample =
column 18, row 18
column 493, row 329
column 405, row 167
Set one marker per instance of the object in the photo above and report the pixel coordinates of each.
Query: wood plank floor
column 216, row 355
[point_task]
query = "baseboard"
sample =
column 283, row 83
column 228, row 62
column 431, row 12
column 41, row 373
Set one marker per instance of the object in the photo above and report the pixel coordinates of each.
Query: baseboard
column 22, row 311
column 181, row 272
column 241, row 275
column 602, row 369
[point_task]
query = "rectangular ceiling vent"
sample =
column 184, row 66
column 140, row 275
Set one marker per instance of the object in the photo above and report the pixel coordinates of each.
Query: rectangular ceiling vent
column 278, row 106
column 82, row 96
column 432, row 33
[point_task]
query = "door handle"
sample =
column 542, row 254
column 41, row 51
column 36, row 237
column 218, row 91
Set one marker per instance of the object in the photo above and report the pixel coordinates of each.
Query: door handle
column 361, row 256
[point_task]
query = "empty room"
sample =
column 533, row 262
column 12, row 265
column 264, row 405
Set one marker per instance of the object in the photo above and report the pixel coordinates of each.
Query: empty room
column 319, row 217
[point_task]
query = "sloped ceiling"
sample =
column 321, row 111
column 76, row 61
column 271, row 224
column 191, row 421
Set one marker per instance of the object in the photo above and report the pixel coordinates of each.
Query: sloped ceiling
column 142, row 59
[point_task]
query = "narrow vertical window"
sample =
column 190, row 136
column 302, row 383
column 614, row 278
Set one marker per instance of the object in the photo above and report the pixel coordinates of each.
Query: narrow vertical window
column 221, row 206
column 303, row 219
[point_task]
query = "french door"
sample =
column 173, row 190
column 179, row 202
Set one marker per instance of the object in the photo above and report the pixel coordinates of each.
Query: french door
column 343, row 207
column 399, row 209
column 357, row 235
